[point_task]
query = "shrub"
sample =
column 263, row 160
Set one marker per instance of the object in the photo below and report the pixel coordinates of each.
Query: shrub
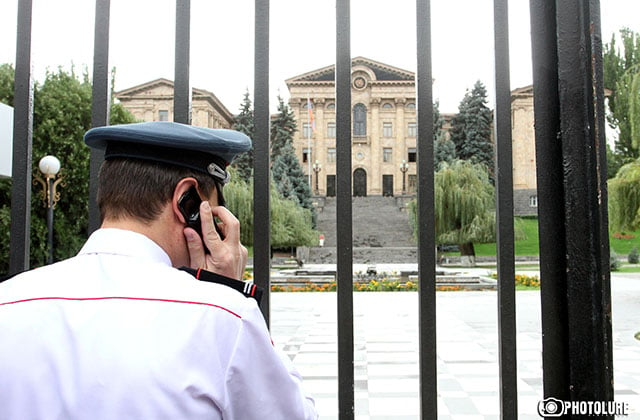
column 634, row 256
column 614, row 263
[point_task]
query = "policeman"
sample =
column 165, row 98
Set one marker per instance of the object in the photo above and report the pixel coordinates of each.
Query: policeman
column 117, row 332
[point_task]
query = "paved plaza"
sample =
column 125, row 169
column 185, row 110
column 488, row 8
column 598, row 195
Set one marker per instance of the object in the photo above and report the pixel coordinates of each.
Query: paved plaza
column 386, row 350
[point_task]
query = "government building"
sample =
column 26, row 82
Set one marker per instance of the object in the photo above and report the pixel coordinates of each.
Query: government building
column 153, row 101
column 383, row 128
column 384, row 132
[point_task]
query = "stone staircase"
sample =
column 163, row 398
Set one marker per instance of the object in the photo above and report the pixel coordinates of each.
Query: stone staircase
column 381, row 232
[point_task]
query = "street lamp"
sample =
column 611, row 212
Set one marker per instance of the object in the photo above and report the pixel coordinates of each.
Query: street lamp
column 404, row 167
column 49, row 166
column 317, row 167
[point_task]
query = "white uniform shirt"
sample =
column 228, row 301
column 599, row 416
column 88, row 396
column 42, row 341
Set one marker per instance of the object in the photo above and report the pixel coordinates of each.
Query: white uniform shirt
column 117, row 333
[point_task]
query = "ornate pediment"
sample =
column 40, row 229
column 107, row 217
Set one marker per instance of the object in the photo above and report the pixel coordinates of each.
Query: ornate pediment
column 378, row 71
column 154, row 88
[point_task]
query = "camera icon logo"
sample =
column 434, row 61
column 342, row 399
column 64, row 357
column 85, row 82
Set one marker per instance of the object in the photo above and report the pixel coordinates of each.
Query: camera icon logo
column 551, row 407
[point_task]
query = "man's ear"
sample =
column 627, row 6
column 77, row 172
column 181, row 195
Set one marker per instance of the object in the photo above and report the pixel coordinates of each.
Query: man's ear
column 181, row 189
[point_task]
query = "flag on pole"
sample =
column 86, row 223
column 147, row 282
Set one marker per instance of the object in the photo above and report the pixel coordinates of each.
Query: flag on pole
column 312, row 121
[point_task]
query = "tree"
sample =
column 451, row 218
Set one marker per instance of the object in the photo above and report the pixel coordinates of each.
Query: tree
column 62, row 114
column 244, row 123
column 444, row 149
column 622, row 77
column 283, row 126
column 290, row 224
column 471, row 128
column 624, row 198
column 285, row 163
column 464, row 206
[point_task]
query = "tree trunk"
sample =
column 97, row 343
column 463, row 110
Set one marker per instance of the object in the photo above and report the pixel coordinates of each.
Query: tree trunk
column 467, row 254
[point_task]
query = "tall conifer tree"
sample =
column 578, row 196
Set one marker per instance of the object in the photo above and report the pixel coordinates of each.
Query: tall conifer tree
column 471, row 128
column 244, row 123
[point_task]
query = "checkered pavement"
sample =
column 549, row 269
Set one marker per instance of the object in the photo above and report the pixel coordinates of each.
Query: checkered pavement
column 386, row 353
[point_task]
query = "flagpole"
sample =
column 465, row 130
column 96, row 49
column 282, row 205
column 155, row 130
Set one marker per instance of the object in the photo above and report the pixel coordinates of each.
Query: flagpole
column 309, row 114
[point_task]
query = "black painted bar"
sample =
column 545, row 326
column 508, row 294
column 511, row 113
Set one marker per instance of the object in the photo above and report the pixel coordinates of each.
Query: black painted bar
column 580, row 77
column 551, row 228
column 182, row 85
column 344, row 212
column 575, row 289
column 426, row 217
column 261, row 153
column 101, row 101
column 504, row 215
column 22, row 145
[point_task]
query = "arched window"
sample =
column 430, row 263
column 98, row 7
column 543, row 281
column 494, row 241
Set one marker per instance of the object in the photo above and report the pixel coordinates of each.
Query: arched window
column 387, row 105
column 411, row 106
column 331, row 106
column 359, row 120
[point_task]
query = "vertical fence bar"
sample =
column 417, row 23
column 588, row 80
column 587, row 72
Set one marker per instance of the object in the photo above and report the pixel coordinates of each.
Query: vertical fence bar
column 101, row 101
column 426, row 217
column 575, row 289
column 551, row 229
column 261, row 153
column 504, row 214
column 182, row 85
column 580, row 81
column 22, row 145
column 344, row 212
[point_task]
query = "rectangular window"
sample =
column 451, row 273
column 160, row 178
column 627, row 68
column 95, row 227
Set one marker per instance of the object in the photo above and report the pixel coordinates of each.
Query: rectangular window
column 411, row 129
column 533, row 201
column 412, row 156
column 387, row 129
column 306, row 155
column 387, row 154
column 331, row 155
column 331, row 130
column 163, row 115
column 306, row 130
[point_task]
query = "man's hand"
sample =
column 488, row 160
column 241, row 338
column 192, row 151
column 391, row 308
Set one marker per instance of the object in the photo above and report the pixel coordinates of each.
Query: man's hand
column 227, row 257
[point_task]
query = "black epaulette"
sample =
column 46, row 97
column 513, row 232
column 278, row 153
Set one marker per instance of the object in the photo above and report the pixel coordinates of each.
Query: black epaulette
column 247, row 288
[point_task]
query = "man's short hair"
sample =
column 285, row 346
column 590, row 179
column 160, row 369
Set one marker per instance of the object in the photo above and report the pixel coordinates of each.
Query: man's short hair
column 140, row 189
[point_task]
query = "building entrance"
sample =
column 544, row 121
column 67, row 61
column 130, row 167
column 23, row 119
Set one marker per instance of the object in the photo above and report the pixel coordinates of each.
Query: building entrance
column 359, row 183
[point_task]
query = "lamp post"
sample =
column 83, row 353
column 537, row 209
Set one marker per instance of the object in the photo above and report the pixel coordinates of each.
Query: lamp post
column 317, row 167
column 49, row 166
column 404, row 167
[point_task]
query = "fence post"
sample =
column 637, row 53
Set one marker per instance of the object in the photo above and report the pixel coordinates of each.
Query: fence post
column 19, row 247
column 571, row 167
column 182, row 85
column 101, row 101
column 261, row 154
column 426, row 217
column 504, row 215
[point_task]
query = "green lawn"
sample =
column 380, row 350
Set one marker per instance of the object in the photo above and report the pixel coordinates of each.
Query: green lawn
column 526, row 247
column 622, row 244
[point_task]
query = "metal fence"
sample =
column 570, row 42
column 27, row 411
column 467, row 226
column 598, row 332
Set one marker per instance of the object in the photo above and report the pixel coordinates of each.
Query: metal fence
column 571, row 159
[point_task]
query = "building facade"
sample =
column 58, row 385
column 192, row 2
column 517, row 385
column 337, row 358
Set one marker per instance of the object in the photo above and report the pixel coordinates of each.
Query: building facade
column 384, row 132
column 153, row 101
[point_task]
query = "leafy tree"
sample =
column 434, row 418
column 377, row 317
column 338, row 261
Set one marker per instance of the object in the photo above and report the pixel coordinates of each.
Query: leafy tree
column 464, row 206
column 624, row 198
column 622, row 77
column 62, row 114
column 244, row 123
column 290, row 224
column 471, row 128
column 7, row 76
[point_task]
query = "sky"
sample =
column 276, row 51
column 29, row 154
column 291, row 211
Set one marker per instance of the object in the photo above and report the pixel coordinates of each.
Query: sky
column 302, row 39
